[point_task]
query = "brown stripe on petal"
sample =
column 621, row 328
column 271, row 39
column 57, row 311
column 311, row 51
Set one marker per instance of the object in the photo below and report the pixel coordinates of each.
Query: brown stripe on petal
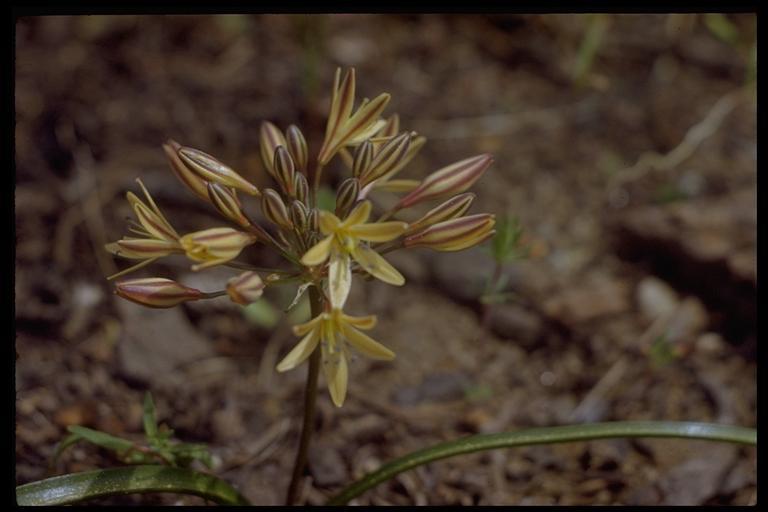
column 183, row 173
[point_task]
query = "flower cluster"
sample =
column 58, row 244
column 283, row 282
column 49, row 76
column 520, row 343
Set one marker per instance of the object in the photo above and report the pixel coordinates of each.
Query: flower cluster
column 322, row 249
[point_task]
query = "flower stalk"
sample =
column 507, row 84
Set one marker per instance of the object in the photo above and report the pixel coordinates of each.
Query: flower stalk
column 310, row 400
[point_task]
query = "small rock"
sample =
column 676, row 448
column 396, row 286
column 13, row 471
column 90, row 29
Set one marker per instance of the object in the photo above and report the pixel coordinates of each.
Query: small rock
column 514, row 322
column 655, row 298
column 710, row 343
column 462, row 275
column 155, row 343
column 327, row 466
column 589, row 301
column 439, row 387
column 228, row 424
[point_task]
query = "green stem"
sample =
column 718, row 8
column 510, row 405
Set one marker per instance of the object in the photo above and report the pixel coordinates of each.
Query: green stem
column 310, row 399
column 76, row 487
column 547, row 435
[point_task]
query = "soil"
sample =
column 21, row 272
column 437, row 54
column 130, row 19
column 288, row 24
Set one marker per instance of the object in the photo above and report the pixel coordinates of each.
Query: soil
column 636, row 300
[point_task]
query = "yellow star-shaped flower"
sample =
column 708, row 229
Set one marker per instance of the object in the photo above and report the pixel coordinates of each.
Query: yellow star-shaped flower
column 336, row 332
column 345, row 239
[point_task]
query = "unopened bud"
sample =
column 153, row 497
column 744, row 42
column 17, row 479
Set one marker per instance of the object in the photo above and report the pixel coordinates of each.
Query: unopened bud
column 391, row 128
column 454, row 234
column 188, row 177
column 300, row 187
column 245, row 288
column 297, row 145
column 284, row 170
column 299, row 215
column 156, row 292
column 390, row 154
column 453, row 179
column 225, row 200
column 215, row 246
column 450, row 209
column 210, row 169
column 363, row 158
column 314, row 219
column 270, row 137
column 142, row 248
column 274, row 209
column 346, row 197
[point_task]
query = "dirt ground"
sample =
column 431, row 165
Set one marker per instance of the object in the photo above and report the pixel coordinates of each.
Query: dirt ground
column 632, row 173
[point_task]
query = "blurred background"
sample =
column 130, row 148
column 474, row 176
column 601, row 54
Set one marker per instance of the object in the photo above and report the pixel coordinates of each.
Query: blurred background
column 624, row 146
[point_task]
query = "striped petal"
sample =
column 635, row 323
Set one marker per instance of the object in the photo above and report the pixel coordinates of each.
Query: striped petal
column 329, row 223
column 377, row 266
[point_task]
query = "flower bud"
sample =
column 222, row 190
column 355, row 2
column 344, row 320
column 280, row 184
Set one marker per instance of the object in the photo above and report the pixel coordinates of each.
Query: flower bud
column 299, row 215
column 274, row 209
column 193, row 182
column 297, row 145
column 142, row 248
column 454, row 234
column 245, row 288
column 363, row 158
column 270, row 137
column 300, row 187
column 346, row 197
column 391, row 128
column 284, row 170
column 455, row 178
column 386, row 158
column 215, row 246
column 156, row 292
column 314, row 219
column 450, row 209
column 210, row 169
column 225, row 200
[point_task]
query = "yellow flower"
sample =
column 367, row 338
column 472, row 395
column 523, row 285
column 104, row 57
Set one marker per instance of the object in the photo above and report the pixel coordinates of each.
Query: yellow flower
column 336, row 332
column 343, row 239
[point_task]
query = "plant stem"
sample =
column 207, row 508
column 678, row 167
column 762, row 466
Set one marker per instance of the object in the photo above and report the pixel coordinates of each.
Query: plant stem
column 547, row 435
column 76, row 487
column 310, row 399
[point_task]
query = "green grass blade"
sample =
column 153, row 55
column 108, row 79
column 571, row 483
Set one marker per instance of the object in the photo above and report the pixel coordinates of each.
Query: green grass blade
column 76, row 487
column 547, row 435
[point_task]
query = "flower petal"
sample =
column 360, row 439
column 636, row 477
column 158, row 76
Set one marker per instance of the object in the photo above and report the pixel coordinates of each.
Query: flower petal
column 339, row 278
column 358, row 215
column 318, row 253
column 329, row 223
column 366, row 345
column 336, row 375
column 377, row 266
column 361, row 322
column 302, row 329
column 300, row 352
column 379, row 231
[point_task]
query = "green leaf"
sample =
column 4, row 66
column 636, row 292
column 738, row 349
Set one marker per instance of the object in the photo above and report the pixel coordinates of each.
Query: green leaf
column 505, row 245
column 68, row 441
column 77, row 487
column 150, row 418
column 547, row 435
column 262, row 313
column 326, row 198
column 102, row 439
column 722, row 28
